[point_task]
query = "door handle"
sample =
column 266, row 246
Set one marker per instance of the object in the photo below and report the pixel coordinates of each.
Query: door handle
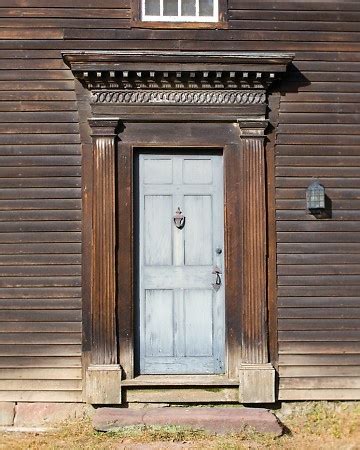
column 179, row 219
column 217, row 272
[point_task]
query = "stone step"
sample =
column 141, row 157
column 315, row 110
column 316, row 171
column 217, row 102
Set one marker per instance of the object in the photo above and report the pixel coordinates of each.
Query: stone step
column 214, row 420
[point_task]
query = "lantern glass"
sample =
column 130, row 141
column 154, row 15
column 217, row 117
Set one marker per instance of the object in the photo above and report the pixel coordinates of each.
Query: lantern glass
column 315, row 197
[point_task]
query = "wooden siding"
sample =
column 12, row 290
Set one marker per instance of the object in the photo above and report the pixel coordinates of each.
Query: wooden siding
column 40, row 212
column 40, row 199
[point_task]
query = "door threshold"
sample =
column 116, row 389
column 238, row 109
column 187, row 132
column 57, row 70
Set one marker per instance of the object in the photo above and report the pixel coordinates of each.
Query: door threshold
column 180, row 380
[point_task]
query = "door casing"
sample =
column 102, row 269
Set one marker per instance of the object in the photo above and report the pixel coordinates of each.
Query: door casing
column 159, row 137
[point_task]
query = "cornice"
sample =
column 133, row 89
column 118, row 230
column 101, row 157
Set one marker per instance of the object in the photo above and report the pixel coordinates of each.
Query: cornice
column 109, row 70
column 84, row 60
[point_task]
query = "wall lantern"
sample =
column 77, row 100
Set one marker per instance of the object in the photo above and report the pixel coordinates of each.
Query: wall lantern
column 315, row 198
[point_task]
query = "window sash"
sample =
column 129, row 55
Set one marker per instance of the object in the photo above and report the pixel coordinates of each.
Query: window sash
column 179, row 17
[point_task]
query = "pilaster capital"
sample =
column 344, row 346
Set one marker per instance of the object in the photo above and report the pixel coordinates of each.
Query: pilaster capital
column 252, row 128
column 104, row 126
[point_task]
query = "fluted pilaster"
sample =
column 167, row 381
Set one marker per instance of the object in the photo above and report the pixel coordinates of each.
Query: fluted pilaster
column 103, row 376
column 254, row 307
column 103, row 305
column 257, row 376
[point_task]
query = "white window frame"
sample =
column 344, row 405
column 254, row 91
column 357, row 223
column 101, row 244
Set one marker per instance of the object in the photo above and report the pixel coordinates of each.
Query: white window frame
column 179, row 18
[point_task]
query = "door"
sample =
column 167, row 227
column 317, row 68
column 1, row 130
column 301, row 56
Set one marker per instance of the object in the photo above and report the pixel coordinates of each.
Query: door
column 181, row 264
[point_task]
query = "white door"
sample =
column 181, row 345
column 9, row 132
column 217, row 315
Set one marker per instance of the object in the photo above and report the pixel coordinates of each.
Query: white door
column 181, row 264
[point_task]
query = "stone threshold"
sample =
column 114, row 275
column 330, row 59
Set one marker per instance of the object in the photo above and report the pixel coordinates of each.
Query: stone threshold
column 213, row 420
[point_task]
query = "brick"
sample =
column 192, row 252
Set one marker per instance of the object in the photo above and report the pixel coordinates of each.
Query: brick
column 40, row 414
column 7, row 412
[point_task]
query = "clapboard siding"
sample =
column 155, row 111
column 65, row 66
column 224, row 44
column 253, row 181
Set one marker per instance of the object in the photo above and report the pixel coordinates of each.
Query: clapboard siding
column 319, row 305
column 40, row 217
column 40, row 197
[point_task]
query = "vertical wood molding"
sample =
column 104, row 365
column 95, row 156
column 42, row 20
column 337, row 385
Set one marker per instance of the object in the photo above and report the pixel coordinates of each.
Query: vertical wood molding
column 103, row 287
column 274, row 107
column 104, row 350
column 257, row 377
column 233, row 255
column 254, row 311
column 103, row 380
column 125, row 258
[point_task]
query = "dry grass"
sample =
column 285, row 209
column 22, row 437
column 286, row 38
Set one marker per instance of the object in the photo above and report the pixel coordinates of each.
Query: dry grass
column 317, row 426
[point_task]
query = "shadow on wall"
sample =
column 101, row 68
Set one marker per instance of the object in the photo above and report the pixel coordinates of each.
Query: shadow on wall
column 292, row 80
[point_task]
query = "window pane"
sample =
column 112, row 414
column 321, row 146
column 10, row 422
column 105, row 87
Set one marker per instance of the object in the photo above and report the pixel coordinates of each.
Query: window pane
column 188, row 8
column 206, row 8
column 170, row 7
column 152, row 7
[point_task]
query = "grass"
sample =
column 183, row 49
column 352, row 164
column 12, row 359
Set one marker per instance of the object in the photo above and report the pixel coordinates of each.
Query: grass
column 318, row 425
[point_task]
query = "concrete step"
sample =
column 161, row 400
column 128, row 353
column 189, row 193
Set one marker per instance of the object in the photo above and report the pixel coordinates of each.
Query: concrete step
column 214, row 420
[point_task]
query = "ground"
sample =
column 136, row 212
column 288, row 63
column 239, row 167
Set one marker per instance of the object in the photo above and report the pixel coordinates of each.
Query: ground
column 316, row 425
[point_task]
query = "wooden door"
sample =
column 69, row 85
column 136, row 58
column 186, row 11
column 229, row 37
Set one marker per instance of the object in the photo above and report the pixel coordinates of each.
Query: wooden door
column 181, row 264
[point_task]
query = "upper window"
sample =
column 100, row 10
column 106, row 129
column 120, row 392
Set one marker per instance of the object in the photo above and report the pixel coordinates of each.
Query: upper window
column 180, row 10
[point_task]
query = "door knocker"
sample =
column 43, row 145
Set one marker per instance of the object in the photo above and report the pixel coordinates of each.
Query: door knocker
column 179, row 219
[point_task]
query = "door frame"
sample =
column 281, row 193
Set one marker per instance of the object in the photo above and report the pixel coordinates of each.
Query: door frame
column 112, row 291
column 158, row 137
column 126, row 257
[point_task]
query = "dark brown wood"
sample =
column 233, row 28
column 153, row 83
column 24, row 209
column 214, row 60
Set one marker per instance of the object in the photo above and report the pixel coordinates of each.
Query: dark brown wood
column 233, row 255
column 274, row 107
column 176, row 60
column 323, row 324
column 125, row 258
column 40, row 303
column 39, row 316
column 318, row 336
column 254, row 299
column 103, row 293
column 87, row 198
column 320, row 89
column 180, row 25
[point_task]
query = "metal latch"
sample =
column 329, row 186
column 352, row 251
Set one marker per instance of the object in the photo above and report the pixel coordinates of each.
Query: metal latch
column 217, row 272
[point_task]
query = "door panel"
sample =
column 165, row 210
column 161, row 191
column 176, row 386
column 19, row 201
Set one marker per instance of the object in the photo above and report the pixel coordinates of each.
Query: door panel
column 158, row 230
column 198, row 230
column 181, row 314
column 159, row 308
column 198, row 322
column 197, row 171
column 158, row 171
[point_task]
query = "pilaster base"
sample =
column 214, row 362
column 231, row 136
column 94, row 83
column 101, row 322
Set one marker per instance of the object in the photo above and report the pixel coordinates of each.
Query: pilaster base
column 103, row 384
column 257, row 383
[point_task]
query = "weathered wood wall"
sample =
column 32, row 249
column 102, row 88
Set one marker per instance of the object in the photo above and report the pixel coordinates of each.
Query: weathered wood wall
column 40, row 198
